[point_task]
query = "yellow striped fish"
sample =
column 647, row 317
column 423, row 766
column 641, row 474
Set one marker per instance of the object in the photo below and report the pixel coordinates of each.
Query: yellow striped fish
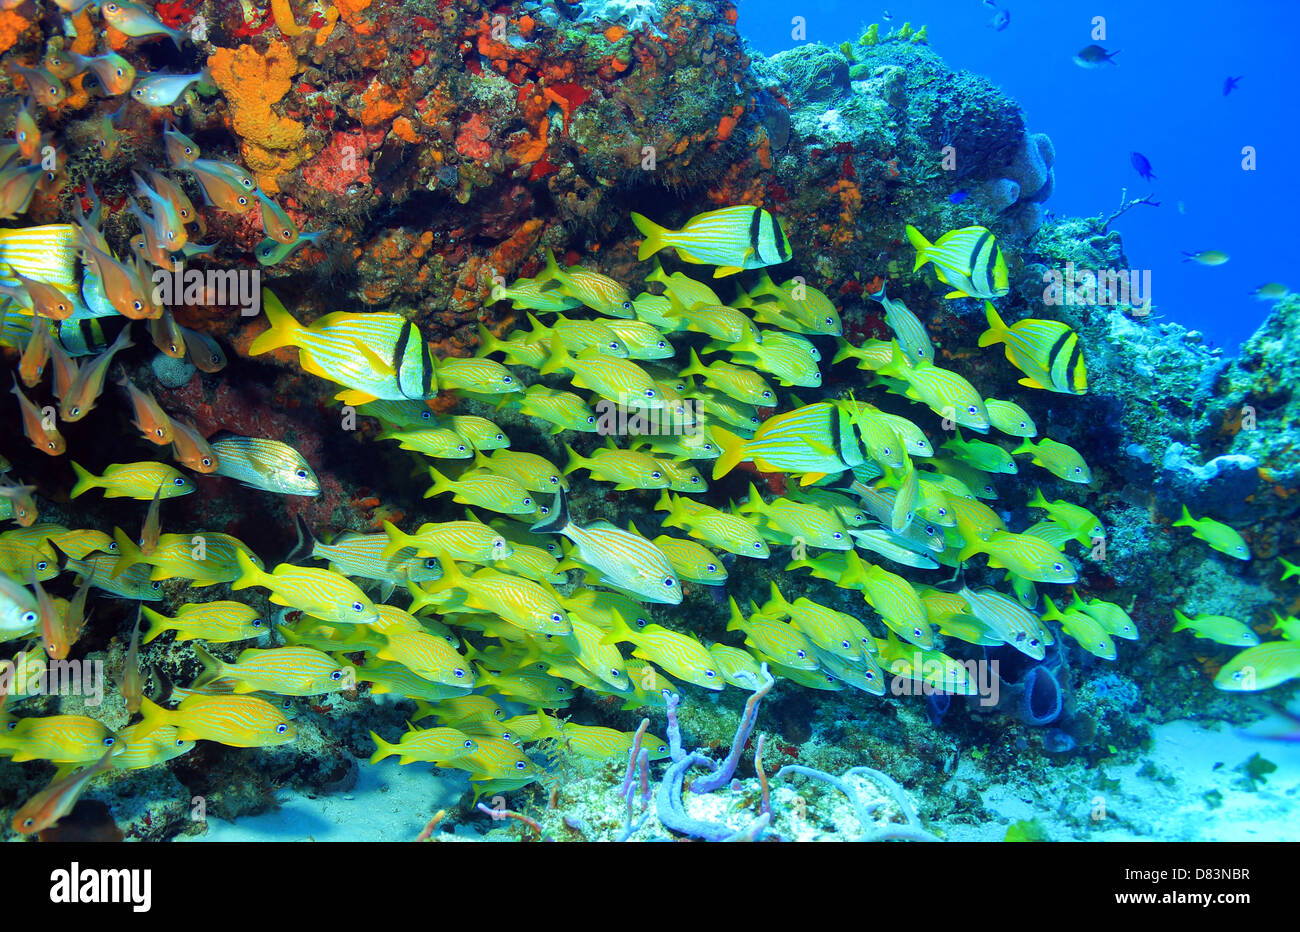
column 1261, row 667
column 235, row 721
column 625, row 560
column 533, row 472
column 738, row 667
column 469, row 541
column 1048, row 352
column 717, row 528
column 437, row 442
column 1008, row 620
column 801, row 305
column 733, row 238
column 372, row 355
column 968, row 259
column 680, row 654
column 627, row 468
column 1060, row 459
column 778, row 641
column 60, row 739
column 815, row 440
column 216, row 622
column 42, row 253
column 692, row 562
column 563, row 410
column 429, row 745
column 420, row 651
column 946, row 393
column 140, row 481
column 321, row 593
column 285, row 671
column 619, row 380
column 530, row 605
column 789, row 357
column 598, row 292
column 476, row 375
column 907, row 328
column 486, row 490
column 742, row 384
column 263, row 464
column 1010, row 418
column 206, row 558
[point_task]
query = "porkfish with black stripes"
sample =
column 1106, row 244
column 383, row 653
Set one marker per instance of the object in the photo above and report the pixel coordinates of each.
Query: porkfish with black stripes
column 732, row 238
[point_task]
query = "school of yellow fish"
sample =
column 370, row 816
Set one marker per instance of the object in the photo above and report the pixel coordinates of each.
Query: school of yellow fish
column 494, row 611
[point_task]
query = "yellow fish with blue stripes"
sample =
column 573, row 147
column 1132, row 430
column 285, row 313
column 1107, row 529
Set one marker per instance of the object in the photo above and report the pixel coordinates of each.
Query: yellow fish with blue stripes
column 732, row 238
column 1048, row 352
column 968, row 259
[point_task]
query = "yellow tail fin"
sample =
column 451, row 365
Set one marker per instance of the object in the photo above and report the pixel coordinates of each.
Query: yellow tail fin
column 654, row 237
column 920, row 243
column 997, row 331
column 283, row 331
column 733, row 451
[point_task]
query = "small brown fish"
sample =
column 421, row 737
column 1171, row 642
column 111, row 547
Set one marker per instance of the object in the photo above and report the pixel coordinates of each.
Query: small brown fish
column 176, row 195
column 35, row 355
column 53, row 636
column 23, row 505
column 41, row 298
column 204, row 351
column 114, row 73
column 124, row 289
column 190, row 449
column 151, row 420
column 167, row 335
column 65, row 369
column 27, row 135
column 152, row 525
column 223, row 185
column 48, row 441
column 63, row 65
column 17, row 185
column 56, row 800
column 45, row 87
column 181, row 149
column 89, row 384
column 132, row 676
column 74, row 616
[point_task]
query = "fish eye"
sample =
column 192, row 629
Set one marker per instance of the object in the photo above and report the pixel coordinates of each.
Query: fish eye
column 257, row 622
column 40, row 567
column 137, row 305
column 614, row 345
column 801, row 654
column 112, row 546
column 836, row 535
column 972, row 409
column 29, row 618
column 519, row 765
column 460, row 448
column 469, row 743
column 426, row 415
column 356, row 606
column 281, row 728
column 301, row 473
column 708, row 447
column 662, row 345
column 711, row 567
column 591, row 420
column 189, row 150
column 627, row 305
column 767, row 394
column 528, row 502
column 1057, row 567
column 108, row 742
column 246, row 182
column 156, row 586
column 118, row 72
column 649, row 392
column 845, row 644
column 1033, row 642
column 336, row 675
column 943, row 512
column 695, row 480
column 431, row 562
column 641, row 622
column 557, row 618
column 206, row 461
column 179, row 480
column 656, row 475
column 287, row 235
column 710, row 673
column 241, row 200
column 508, row 380
column 669, row 582
column 458, row 673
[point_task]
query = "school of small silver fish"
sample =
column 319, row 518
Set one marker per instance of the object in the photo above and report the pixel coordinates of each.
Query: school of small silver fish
column 543, row 598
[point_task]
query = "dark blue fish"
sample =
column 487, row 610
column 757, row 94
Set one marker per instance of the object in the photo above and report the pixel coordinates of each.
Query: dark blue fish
column 1001, row 20
column 1230, row 85
column 957, row 197
column 1142, row 166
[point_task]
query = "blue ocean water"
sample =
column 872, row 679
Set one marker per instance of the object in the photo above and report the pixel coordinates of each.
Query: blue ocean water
column 1163, row 97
